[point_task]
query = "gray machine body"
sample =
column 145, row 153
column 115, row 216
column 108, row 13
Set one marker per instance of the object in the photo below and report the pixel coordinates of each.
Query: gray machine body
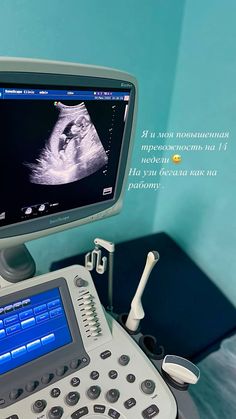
column 99, row 343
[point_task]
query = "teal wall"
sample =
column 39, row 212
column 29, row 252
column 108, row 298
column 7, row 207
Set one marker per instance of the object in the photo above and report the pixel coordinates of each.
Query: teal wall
column 200, row 212
column 182, row 53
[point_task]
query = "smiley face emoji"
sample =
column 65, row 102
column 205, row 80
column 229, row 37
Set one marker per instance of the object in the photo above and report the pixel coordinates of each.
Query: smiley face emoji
column 176, row 158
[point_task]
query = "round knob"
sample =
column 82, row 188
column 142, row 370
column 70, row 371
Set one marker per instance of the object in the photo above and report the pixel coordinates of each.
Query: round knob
column 75, row 381
column 112, row 395
column 61, row 370
column 148, row 386
column 72, row 398
column 93, row 392
column 74, row 363
column 46, row 378
column 55, row 392
column 94, row 375
column 80, row 282
column 124, row 360
column 130, row 378
column 39, row 406
column 31, row 386
column 113, row 374
column 14, row 394
column 55, row 412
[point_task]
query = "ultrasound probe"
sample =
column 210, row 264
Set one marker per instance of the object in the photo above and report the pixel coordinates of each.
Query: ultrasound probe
column 136, row 311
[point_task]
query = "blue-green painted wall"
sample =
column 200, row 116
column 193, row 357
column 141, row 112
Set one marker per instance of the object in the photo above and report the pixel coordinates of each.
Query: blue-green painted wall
column 200, row 212
column 182, row 53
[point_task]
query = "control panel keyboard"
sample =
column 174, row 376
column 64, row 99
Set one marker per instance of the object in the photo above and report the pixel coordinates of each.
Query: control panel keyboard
column 115, row 380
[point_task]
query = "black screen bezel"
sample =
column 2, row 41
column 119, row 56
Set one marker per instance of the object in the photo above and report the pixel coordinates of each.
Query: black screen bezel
column 45, row 364
column 67, row 81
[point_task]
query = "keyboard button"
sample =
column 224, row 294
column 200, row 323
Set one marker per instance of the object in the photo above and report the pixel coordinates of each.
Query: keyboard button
column 55, row 392
column 113, row 374
column 113, row 414
column 94, row 375
column 150, row 412
column 105, row 354
column 130, row 403
column 99, row 408
column 75, row 381
column 79, row 413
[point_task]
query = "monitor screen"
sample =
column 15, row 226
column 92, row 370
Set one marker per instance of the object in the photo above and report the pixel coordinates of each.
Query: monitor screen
column 32, row 327
column 66, row 139
column 60, row 148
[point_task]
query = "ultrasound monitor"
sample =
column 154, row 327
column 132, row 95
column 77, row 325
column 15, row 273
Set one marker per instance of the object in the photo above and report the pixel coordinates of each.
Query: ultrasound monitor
column 66, row 138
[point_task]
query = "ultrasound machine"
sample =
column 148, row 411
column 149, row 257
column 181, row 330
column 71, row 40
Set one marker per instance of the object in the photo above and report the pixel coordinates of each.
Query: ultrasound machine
column 66, row 140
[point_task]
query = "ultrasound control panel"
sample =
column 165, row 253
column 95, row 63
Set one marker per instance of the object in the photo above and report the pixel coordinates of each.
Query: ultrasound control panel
column 62, row 356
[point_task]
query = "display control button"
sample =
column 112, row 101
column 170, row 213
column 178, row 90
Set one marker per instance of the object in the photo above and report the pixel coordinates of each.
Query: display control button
column 39, row 406
column 79, row 413
column 14, row 394
column 12, row 417
column 31, row 386
column 148, row 386
column 94, row 334
column 113, row 374
column 55, row 392
column 75, row 381
column 55, row 412
column 88, row 296
column 8, row 309
column 74, row 363
column 105, row 354
column 99, row 408
column 88, row 301
column 46, row 378
column 130, row 378
column 60, row 371
column 93, row 323
column 93, row 392
column 113, row 414
column 130, row 403
column 92, row 316
column 89, row 311
column 89, row 307
column 80, row 282
column 94, row 375
column 124, row 360
column 150, row 412
column 112, row 395
column 72, row 398
column 92, row 319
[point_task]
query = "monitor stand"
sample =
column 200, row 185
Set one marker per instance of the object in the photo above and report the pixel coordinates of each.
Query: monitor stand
column 16, row 264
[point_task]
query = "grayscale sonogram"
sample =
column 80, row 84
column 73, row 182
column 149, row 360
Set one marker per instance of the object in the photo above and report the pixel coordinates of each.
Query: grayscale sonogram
column 73, row 150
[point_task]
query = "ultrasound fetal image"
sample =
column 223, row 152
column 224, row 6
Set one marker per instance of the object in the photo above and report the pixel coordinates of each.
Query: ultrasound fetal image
column 72, row 152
